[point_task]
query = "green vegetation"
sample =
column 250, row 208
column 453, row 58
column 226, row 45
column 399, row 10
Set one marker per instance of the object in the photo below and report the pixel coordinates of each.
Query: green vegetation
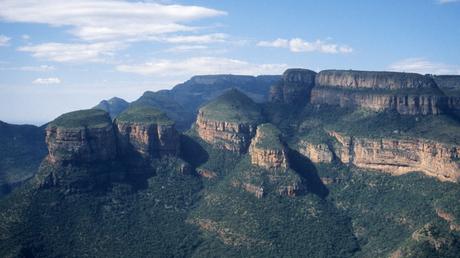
column 270, row 137
column 386, row 210
column 121, row 220
column 92, row 118
column 233, row 106
column 144, row 114
column 313, row 121
column 22, row 148
column 115, row 210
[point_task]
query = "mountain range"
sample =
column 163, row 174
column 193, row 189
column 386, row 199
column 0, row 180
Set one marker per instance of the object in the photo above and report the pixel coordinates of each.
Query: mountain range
column 339, row 163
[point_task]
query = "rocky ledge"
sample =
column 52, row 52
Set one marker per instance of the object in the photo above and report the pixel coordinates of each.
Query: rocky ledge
column 147, row 132
column 81, row 136
column 229, row 122
column 266, row 150
column 400, row 156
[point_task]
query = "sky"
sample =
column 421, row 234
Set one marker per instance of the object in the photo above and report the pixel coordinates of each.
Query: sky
column 58, row 56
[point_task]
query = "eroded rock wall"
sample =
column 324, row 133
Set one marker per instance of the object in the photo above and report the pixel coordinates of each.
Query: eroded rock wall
column 82, row 144
column 231, row 136
column 149, row 140
column 400, row 156
column 404, row 104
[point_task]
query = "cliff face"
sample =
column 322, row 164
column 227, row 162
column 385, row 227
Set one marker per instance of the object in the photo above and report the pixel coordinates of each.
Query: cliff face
column 81, row 150
column 266, row 151
column 405, row 93
column 398, row 156
column 294, row 88
column 86, row 143
column 373, row 80
column 231, row 136
column 409, row 104
column 229, row 122
column 148, row 132
column 149, row 140
column 317, row 153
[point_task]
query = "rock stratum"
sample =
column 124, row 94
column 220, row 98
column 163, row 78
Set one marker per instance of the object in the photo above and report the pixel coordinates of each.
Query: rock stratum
column 229, row 122
column 405, row 93
column 266, row 150
column 404, row 104
column 148, row 132
column 400, row 156
column 83, row 146
column 81, row 136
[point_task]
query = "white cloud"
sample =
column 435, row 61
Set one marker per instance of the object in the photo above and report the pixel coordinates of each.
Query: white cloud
column 423, row 66
column 40, row 68
column 51, row 80
column 62, row 52
column 4, row 41
column 25, row 37
column 185, row 48
column 107, row 19
column 299, row 45
column 197, row 39
column 201, row 65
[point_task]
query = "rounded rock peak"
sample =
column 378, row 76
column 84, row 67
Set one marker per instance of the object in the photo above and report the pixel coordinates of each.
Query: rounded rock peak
column 232, row 106
column 144, row 115
column 299, row 75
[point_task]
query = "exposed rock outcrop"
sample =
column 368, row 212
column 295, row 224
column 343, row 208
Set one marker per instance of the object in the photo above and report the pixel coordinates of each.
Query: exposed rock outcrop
column 148, row 132
column 294, row 88
column 350, row 79
column 266, row 150
column 405, row 93
column 317, row 153
column 229, row 122
column 400, row 156
column 81, row 136
column 82, row 148
column 406, row 104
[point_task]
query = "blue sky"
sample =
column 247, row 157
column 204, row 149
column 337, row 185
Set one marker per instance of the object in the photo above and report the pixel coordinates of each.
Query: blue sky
column 61, row 55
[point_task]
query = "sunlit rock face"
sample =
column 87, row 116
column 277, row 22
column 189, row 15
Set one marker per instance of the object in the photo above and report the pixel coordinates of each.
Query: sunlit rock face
column 229, row 122
column 266, row 149
column 146, row 132
column 405, row 93
column 400, row 156
column 350, row 79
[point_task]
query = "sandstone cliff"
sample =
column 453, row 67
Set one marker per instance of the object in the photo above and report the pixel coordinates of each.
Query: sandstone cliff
column 82, row 148
column 317, row 153
column 405, row 93
column 400, row 156
column 148, row 132
column 294, row 88
column 374, row 80
column 266, row 150
column 405, row 104
column 81, row 136
column 269, row 169
column 229, row 122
